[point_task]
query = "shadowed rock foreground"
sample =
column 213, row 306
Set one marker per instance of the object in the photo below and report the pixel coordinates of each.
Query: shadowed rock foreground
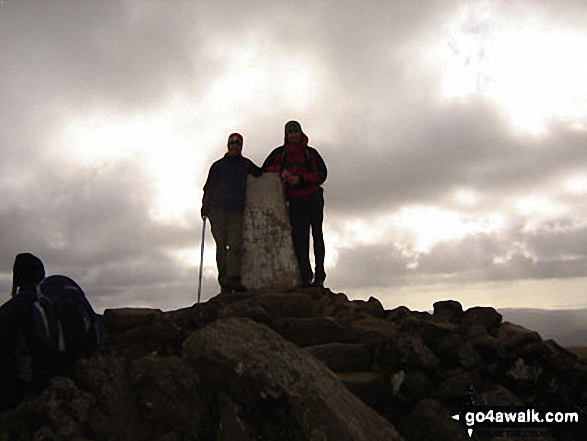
column 300, row 365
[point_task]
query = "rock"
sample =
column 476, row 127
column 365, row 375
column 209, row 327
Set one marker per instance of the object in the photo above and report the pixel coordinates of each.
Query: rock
column 406, row 352
column 415, row 386
column 278, row 305
column 448, row 310
column 490, row 348
column 371, row 388
column 219, row 371
column 375, row 307
column 250, row 310
column 160, row 336
column 447, row 348
column 521, row 372
column 258, row 369
column 457, row 386
column 486, row 317
column 432, row 332
column 371, row 307
column 374, row 332
column 399, row 313
column 344, row 357
column 126, row 318
column 312, row 331
column 519, row 340
column 164, row 389
column 497, row 395
column 430, row 420
column 468, row 356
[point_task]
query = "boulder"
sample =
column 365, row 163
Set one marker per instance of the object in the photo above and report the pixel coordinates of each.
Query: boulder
column 335, row 369
column 283, row 390
column 313, row 330
column 344, row 357
column 431, row 420
column 126, row 318
column 371, row 388
column 406, row 352
column 488, row 318
column 448, row 310
column 519, row 340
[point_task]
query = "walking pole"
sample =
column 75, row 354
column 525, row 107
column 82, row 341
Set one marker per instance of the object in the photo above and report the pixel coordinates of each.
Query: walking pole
column 202, row 257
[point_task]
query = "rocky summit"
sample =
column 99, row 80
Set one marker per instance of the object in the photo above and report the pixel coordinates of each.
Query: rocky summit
column 304, row 365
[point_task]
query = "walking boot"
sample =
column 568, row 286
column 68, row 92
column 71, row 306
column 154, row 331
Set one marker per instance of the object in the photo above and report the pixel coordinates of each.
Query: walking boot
column 319, row 278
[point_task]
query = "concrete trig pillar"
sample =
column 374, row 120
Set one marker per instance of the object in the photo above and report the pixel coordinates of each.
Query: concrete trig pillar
column 268, row 257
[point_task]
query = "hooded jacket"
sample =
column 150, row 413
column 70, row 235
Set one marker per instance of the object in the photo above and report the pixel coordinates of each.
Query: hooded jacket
column 301, row 160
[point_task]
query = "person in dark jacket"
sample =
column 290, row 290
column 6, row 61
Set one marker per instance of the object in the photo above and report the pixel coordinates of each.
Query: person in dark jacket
column 302, row 171
column 223, row 203
column 20, row 372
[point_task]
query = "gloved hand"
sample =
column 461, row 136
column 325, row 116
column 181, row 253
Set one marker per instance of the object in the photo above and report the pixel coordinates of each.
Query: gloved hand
column 205, row 211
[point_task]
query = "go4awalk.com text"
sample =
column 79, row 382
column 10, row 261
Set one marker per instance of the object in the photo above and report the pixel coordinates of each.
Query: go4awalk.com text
column 488, row 422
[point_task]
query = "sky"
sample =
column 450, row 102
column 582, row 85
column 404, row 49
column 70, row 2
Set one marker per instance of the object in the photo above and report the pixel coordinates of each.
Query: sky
column 454, row 133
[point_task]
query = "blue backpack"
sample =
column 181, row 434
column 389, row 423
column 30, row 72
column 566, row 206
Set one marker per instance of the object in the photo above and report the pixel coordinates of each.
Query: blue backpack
column 65, row 321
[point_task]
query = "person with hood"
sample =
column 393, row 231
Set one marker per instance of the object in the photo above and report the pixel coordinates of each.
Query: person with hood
column 224, row 203
column 302, row 171
column 19, row 373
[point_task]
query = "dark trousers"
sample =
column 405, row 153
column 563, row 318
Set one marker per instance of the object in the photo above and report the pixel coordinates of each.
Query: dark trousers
column 227, row 230
column 306, row 214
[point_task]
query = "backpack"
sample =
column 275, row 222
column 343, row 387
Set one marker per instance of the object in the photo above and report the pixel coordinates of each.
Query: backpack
column 66, row 323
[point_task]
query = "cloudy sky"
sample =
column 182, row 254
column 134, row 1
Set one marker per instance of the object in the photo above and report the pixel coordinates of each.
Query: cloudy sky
column 454, row 133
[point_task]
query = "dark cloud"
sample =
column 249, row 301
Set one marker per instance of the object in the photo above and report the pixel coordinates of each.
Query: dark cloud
column 95, row 224
column 376, row 117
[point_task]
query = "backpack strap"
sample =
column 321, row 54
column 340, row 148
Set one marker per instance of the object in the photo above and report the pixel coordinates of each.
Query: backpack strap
column 48, row 323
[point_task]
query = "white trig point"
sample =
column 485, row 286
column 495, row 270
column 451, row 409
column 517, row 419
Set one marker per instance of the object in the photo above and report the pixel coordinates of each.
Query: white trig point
column 268, row 256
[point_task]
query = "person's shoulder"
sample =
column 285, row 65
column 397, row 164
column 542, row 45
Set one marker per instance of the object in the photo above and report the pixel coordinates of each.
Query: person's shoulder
column 312, row 150
column 277, row 149
column 245, row 159
column 15, row 305
column 218, row 162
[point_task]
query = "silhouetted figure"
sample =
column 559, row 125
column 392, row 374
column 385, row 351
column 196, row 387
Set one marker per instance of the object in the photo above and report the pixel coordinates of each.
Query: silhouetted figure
column 45, row 327
column 224, row 203
column 303, row 171
column 18, row 339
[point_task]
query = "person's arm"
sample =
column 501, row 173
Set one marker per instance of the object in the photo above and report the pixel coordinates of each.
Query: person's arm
column 209, row 189
column 273, row 161
column 252, row 169
column 317, row 173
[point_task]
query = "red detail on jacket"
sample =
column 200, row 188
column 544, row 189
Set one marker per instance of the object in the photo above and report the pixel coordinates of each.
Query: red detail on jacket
column 300, row 162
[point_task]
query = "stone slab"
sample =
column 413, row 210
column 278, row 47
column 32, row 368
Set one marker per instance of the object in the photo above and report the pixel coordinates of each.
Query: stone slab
column 268, row 256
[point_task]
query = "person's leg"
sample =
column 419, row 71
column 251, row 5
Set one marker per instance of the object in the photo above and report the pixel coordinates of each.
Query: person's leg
column 234, row 253
column 218, row 224
column 300, row 231
column 316, row 211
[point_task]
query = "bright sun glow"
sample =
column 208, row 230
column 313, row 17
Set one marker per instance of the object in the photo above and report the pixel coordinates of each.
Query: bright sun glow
column 576, row 185
column 154, row 139
column 415, row 229
column 465, row 197
column 432, row 225
column 256, row 79
column 533, row 70
column 541, row 206
column 178, row 140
